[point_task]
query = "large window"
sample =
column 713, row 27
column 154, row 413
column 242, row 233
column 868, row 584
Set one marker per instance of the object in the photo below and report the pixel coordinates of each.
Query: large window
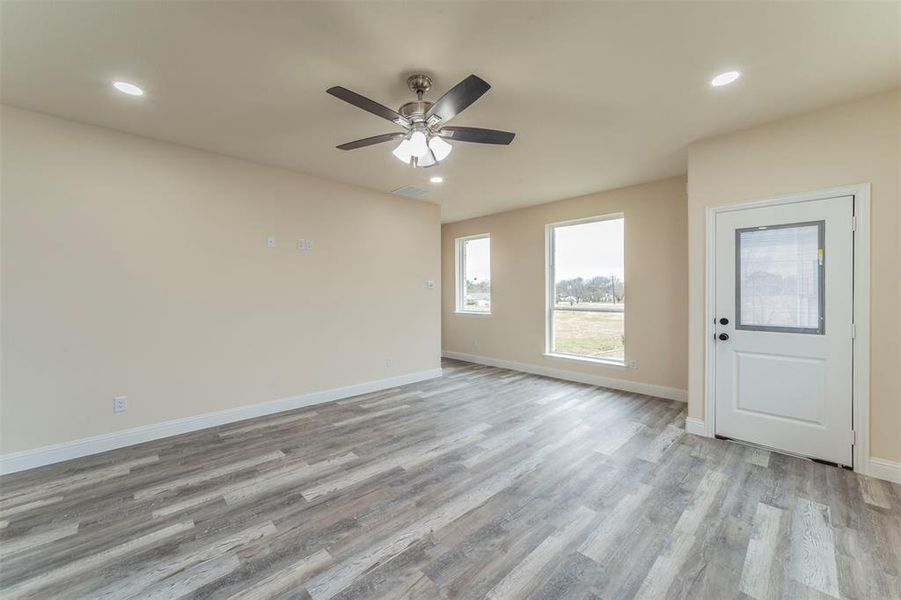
column 586, row 289
column 474, row 274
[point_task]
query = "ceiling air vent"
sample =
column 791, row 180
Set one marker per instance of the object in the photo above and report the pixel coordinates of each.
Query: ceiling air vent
column 410, row 191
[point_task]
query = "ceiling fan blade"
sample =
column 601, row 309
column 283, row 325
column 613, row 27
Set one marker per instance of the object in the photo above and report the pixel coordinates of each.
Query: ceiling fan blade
column 368, row 105
column 458, row 98
column 477, row 135
column 376, row 139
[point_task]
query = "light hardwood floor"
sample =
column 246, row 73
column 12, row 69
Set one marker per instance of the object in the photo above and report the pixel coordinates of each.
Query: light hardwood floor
column 484, row 483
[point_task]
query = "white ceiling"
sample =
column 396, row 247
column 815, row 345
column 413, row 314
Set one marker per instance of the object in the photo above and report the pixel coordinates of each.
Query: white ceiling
column 600, row 95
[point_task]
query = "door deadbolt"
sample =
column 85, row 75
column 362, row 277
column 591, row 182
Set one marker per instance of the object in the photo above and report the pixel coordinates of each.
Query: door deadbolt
column 723, row 337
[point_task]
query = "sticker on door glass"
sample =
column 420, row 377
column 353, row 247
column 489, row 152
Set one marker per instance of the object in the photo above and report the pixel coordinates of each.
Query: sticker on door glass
column 780, row 278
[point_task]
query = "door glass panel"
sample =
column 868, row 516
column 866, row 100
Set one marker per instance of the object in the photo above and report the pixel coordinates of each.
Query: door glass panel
column 779, row 278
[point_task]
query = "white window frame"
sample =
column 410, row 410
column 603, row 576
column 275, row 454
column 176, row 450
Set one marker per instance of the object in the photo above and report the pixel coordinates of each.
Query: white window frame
column 460, row 274
column 551, row 292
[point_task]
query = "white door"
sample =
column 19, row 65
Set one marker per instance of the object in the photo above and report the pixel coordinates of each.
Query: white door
column 783, row 331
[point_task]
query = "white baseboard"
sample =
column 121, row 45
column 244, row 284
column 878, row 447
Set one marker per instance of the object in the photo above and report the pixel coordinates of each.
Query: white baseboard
column 649, row 389
column 884, row 469
column 696, row 426
column 37, row 457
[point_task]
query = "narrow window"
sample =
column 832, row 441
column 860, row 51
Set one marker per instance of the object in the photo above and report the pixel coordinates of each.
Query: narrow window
column 474, row 274
column 586, row 289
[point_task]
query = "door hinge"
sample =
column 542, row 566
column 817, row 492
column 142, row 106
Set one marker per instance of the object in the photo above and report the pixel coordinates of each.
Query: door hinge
column 854, row 223
column 853, row 437
column 853, row 331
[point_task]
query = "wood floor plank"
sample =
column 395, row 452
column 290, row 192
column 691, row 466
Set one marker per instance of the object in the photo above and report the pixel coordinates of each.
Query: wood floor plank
column 761, row 556
column 660, row 444
column 138, row 582
column 206, row 475
column 597, row 544
column 369, row 416
column 84, row 479
column 246, row 490
column 497, row 447
column 517, row 581
column 875, row 492
column 287, row 579
column 265, row 424
column 284, row 478
column 334, row 580
column 191, row 579
column 73, row 569
column 702, row 499
column 12, row 511
column 616, row 435
column 759, row 457
column 682, row 539
column 409, row 458
column 35, row 540
column 813, row 551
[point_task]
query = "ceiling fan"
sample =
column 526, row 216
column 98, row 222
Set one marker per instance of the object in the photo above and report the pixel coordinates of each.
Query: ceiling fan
column 424, row 141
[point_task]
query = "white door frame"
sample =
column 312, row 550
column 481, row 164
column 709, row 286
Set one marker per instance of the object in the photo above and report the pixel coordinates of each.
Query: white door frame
column 861, row 342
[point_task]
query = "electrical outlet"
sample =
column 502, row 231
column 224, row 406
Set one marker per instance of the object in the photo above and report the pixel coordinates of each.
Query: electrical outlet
column 387, row 362
column 633, row 364
column 429, row 285
column 120, row 403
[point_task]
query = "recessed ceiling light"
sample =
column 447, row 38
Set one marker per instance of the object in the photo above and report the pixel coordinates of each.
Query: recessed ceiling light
column 436, row 179
column 128, row 88
column 725, row 78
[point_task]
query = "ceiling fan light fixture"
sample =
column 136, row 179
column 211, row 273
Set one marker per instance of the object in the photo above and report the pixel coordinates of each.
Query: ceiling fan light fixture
column 427, row 160
column 440, row 148
column 418, row 145
column 403, row 152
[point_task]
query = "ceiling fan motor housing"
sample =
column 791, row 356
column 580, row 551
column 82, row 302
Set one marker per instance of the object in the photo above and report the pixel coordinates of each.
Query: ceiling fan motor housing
column 415, row 111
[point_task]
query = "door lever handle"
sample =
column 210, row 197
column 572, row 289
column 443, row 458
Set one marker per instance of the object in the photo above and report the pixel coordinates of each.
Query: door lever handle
column 723, row 337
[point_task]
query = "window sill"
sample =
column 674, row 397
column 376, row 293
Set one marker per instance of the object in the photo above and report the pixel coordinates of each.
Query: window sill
column 606, row 362
column 472, row 313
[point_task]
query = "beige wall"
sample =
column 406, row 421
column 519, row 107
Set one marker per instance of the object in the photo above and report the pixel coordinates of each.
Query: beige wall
column 138, row 268
column 848, row 144
column 655, row 275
